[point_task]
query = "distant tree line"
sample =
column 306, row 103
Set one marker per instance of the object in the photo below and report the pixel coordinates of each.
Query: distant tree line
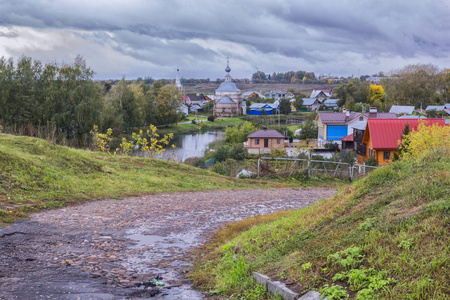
column 285, row 77
column 414, row 85
column 65, row 101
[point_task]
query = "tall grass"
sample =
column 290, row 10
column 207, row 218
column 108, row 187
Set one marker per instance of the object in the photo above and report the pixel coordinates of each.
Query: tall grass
column 397, row 217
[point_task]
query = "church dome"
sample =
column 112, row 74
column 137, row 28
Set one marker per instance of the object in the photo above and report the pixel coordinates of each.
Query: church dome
column 228, row 86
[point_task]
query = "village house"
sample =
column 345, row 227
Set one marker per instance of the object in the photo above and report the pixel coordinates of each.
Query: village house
column 382, row 137
column 331, row 104
column 277, row 95
column 263, row 108
column 264, row 140
column 320, row 94
column 334, row 126
column 309, row 104
column 250, row 94
column 198, row 99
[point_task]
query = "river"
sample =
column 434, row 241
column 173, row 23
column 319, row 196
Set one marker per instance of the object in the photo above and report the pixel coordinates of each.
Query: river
column 191, row 145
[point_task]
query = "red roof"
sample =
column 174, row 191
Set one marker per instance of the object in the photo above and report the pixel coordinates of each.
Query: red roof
column 386, row 133
column 266, row 133
column 348, row 138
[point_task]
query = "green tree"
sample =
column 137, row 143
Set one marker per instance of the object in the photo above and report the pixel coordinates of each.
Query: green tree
column 354, row 89
column 285, row 106
column 413, row 84
column 239, row 133
column 168, row 101
column 298, row 104
column 309, row 130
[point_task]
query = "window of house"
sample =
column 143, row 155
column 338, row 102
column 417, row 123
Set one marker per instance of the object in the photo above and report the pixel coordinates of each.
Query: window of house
column 278, row 141
column 256, row 141
column 361, row 118
column 386, row 155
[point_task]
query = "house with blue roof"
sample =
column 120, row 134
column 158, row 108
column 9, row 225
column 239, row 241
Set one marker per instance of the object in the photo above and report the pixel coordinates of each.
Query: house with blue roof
column 331, row 104
column 263, row 108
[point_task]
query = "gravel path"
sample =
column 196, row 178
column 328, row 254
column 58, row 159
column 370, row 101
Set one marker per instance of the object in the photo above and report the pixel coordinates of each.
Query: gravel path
column 112, row 249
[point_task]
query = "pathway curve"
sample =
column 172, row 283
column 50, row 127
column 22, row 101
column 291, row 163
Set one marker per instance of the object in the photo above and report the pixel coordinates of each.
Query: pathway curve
column 112, row 249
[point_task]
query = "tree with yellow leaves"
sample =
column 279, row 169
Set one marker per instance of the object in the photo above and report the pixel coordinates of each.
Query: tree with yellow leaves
column 151, row 143
column 426, row 138
column 376, row 95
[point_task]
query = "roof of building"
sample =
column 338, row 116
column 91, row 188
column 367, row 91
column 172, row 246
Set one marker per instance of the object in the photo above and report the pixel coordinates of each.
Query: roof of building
column 341, row 118
column 336, row 118
column 380, row 115
column 386, row 133
column 309, row 101
column 435, row 107
column 331, row 102
column 412, row 117
column 195, row 97
column 315, row 93
column 348, row 138
column 228, row 86
column 225, row 100
column 401, row 109
column 266, row 133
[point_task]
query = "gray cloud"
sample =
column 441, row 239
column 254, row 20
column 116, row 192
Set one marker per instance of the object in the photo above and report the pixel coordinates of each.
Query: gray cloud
column 336, row 37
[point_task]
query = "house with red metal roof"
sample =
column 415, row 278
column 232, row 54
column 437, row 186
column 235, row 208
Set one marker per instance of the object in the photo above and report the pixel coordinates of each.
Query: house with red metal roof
column 264, row 140
column 334, row 126
column 382, row 136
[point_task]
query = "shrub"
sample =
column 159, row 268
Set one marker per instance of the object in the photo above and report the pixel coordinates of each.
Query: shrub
column 371, row 161
column 193, row 122
column 195, row 161
column 228, row 167
column 211, row 118
column 331, row 146
column 234, row 151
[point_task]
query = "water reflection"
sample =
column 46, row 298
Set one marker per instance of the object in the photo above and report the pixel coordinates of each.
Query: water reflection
column 191, row 145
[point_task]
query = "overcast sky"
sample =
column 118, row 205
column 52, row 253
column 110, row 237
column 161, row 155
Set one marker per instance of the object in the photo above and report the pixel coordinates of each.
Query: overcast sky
column 139, row 38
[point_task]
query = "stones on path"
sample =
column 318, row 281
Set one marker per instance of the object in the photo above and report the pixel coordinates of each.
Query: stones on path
column 94, row 238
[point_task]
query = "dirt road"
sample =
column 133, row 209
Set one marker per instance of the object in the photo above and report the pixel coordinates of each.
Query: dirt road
column 113, row 249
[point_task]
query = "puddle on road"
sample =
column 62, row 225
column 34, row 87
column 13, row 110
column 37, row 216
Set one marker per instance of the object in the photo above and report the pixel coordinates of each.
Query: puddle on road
column 156, row 254
column 161, row 246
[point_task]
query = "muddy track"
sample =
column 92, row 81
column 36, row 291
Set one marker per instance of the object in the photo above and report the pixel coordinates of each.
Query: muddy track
column 112, row 249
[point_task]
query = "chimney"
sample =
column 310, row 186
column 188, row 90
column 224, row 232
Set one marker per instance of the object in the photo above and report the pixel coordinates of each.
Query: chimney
column 344, row 110
column 347, row 113
column 373, row 110
column 363, row 108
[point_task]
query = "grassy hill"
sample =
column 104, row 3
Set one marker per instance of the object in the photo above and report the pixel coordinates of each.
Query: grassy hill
column 385, row 237
column 36, row 174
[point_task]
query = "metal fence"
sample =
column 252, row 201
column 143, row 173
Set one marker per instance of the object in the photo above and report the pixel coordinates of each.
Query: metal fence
column 268, row 166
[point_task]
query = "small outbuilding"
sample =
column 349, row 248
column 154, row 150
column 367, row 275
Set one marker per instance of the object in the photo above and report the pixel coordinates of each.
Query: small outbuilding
column 263, row 140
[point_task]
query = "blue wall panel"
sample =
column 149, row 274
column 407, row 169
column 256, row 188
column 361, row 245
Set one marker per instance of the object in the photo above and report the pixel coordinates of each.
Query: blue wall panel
column 335, row 132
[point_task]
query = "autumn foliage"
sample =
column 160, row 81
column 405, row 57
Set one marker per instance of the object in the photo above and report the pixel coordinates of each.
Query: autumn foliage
column 426, row 138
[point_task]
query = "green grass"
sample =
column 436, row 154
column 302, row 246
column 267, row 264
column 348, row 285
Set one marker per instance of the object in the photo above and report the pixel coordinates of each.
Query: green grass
column 36, row 174
column 218, row 124
column 384, row 237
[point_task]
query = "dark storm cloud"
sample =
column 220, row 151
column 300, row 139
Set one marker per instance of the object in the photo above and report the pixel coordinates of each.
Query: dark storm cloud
column 274, row 34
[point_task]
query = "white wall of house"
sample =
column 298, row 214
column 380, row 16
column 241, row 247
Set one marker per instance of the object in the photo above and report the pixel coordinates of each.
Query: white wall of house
column 357, row 124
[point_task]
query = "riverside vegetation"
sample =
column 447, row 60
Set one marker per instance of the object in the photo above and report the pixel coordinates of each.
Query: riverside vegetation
column 384, row 237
